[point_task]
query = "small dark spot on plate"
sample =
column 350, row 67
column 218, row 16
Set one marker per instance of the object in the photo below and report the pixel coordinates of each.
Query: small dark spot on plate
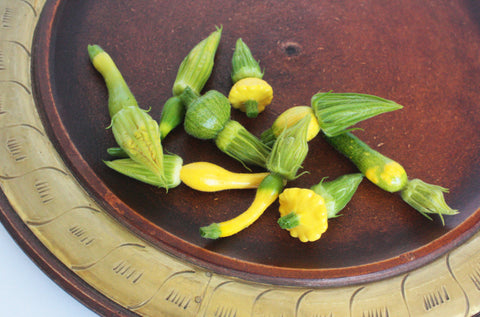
column 291, row 48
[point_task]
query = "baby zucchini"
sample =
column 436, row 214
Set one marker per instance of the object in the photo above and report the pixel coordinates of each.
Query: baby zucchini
column 379, row 169
column 391, row 176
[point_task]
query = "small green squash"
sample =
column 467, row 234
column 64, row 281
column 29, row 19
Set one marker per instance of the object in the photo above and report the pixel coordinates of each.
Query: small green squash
column 207, row 115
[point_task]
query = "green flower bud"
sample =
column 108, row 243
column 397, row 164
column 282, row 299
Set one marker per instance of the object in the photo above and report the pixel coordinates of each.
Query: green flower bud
column 338, row 193
column 336, row 112
column 173, row 113
column 244, row 65
column 289, row 150
column 138, row 135
column 197, row 66
column 239, row 143
column 172, row 166
column 427, row 198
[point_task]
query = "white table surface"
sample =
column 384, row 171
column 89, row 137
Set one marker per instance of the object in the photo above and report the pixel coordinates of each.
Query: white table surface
column 27, row 291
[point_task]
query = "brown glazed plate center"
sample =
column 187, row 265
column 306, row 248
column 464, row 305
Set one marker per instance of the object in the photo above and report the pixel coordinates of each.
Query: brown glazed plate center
column 423, row 55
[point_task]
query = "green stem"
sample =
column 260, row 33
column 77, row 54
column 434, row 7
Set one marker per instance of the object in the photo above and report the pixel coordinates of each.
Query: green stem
column 211, row 231
column 251, row 108
column 289, row 221
column 188, row 96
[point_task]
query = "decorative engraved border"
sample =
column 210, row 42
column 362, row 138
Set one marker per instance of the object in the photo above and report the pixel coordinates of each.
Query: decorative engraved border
column 144, row 280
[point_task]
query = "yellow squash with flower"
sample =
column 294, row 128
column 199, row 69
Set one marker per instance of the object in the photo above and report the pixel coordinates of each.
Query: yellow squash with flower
column 134, row 130
column 390, row 176
column 250, row 93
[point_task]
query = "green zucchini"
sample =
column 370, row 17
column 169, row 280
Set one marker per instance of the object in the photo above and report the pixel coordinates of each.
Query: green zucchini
column 391, row 176
column 379, row 169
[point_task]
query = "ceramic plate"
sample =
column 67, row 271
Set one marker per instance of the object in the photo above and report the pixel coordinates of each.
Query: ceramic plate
column 124, row 247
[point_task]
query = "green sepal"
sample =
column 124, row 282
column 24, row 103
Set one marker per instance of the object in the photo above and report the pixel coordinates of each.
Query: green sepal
column 338, row 112
column 338, row 193
column 119, row 94
column 211, row 231
column 290, row 150
column 237, row 142
column 427, row 199
column 172, row 167
column 197, row 66
column 289, row 221
column 243, row 63
column 173, row 113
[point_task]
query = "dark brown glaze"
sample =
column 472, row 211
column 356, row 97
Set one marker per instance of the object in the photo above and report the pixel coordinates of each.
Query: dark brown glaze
column 422, row 55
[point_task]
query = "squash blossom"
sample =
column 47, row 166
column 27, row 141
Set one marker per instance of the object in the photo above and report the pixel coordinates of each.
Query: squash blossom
column 193, row 72
column 332, row 113
column 197, row 66
column 250, row 93
column 243, row 63
column 172, row 165
column 138, row 135
column 287, row 119
column 336, row 112
column 427, row 199
column 290, row 150
column 135, row 131
column 338, row 192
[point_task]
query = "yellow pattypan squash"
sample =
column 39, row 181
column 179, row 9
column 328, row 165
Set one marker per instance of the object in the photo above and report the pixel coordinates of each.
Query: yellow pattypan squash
column 303, row 213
